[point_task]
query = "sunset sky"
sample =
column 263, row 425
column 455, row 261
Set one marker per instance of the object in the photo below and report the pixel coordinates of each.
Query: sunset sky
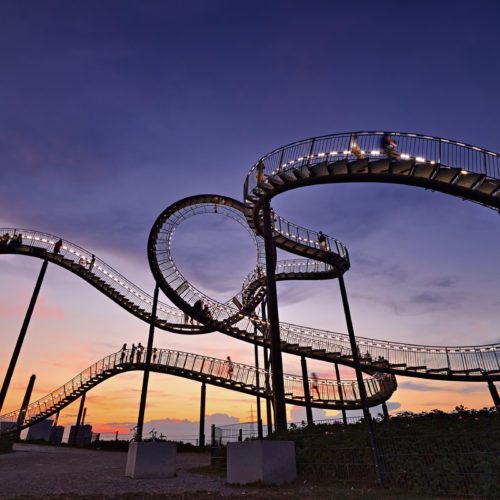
column 111, row 111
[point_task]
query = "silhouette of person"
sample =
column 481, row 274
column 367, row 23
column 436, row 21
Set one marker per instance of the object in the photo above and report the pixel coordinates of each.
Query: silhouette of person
column 230, row 368
column 389, row 146
column 140, row 350
column 91, row 263
column 206, row 311
column 132, row 353
column 123, row 353
column 155, row 354
column 355, row 149
column 323, row 245
column 57, row 246
column 315, row 385
column 259, row 172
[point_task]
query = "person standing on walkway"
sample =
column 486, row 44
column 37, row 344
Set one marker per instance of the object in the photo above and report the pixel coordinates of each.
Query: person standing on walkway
column 91, row 263
column 259, row 172
column 132, row 353
column 140, row 350
column 123, row 353
column 230, row 368
column 323, row 245
column 155, row 354
column 57, row 246
column 315, row 385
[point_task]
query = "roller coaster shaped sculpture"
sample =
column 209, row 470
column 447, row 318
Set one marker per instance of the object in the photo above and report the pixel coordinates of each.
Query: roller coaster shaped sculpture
column 433, row 163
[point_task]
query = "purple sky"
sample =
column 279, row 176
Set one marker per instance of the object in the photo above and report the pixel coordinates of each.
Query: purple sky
column 111, row 111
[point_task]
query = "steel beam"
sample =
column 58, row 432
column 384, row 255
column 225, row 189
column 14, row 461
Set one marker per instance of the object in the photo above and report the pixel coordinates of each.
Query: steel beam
column 203, row 397
column 78, row 420
column 307, row 395
column 361, row 385
column 341, row 393
column 494, row 394
column 22, row 334
column 272, row 309
column 257, row 385
column 145, row 379
column 26, row 401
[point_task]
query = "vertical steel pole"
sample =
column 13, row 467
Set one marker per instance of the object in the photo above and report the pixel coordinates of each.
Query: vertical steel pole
column 494, row 394
column 307, row 395
column 385, row 410
column 78, row 420
column 272, row 309
column 341, row 393
column 22, row 334
column 269, row 413
column 26, row 401
column 203, row 397
column 359, row 377
column 83, row 416
column 57, row 419
column 145, row 379
column 257, row 384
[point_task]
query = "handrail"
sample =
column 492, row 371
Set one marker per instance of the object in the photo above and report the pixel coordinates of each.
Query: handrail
column 453, row 358
column 328, row 390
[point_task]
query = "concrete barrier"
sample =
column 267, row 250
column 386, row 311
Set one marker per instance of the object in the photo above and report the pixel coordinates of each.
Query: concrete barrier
column 151, row 459
column 271, row 462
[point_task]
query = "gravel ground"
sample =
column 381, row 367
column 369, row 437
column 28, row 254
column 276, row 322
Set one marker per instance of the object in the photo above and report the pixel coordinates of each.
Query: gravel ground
column 35, row 471
column 49, row 470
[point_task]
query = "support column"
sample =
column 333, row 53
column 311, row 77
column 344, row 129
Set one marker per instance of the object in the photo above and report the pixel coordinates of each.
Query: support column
column 56, row 419
column 359, row 377
column 22, row 334
column 83, row 416
column 269, row 413
column 341, row 393
column 257, row 384
column 145, row 379
column 385, row 411
column 78, row 420
column 307, row 395
column 26, row 401
column 494, row 394
column 203, row 397
column 272, row 308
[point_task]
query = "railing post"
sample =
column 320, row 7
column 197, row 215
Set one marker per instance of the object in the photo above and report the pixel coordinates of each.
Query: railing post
column 272, row 303
column 22, row 334
column 213, row 434
column 145, row 380
column 307, row 395
column 341, row 392
column 359, row 377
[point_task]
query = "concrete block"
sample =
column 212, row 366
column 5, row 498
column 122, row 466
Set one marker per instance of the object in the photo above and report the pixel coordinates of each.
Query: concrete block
column 272, row 462
column 40, row 431
column 151, row 459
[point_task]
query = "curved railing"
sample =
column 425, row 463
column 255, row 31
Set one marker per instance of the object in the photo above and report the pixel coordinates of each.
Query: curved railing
column 100, row 269
column 422, row 148
column 320, row 344
column 242, row 378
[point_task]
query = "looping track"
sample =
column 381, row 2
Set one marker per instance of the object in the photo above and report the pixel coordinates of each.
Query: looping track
column 432, row 163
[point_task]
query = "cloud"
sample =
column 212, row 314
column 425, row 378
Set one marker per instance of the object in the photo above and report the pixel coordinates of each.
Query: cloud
column 171, row 427
column 43, row 310
column 465, row 388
